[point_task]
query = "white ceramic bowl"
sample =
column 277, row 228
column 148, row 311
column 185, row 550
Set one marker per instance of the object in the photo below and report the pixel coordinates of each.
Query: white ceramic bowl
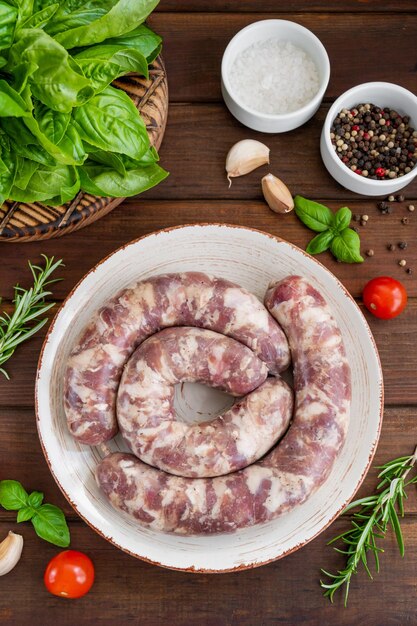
column 382, row 95
column 252, row 259
column 261, row 31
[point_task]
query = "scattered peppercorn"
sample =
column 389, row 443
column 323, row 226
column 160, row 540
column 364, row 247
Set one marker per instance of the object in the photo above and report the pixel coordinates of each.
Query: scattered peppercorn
column 409, row 270
column 365, row 218
column 400, row 198
column 374, row 142
column 404, row 220
column 370, row 252
column 402, row 245
column 391, row 247
column 410, row 207
column 403, row 262
column 391, row 198
column 357, row 217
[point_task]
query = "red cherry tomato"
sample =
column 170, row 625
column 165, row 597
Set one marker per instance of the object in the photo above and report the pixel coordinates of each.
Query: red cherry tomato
column 69, row 574
column 385, row 297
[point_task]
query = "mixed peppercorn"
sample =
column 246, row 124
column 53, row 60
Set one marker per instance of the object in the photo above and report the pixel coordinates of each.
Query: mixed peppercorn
column 374, row 142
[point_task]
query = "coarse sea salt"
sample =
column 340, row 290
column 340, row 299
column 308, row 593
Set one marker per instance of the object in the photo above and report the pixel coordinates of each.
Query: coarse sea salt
column 274, row 76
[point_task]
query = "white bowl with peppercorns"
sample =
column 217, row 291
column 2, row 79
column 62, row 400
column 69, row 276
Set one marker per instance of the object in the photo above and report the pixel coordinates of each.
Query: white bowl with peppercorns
column 369, row 139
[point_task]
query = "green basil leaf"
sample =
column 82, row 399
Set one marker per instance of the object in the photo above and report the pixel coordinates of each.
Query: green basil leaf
column 346, row 246
column 142, row 39
column 105, row 181
column 50, row 524
column 25, row 514
column 123, row 17
column 342, row 219
column 111, row 159
column 51, row 123
column 75, row 13
column 54, row 76
column 24, row 172
column 8, row 17
column 57, row 184
column 11, row 103
column 40, row 18
column 103, row 64
column 8, row 166
column 320, row 242
column 24, row 143
column 12, row 495
column 35, row 499
column 315, row 216
column 111, row 122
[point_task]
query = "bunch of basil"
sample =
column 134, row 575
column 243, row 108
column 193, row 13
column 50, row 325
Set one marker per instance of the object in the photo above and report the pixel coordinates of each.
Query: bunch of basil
column 62, row 126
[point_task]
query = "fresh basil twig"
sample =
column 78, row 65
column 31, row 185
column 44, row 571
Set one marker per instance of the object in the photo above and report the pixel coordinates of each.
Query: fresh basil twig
column 370, row 522
column 29, row 306
column 48, row 520
column 333, row 229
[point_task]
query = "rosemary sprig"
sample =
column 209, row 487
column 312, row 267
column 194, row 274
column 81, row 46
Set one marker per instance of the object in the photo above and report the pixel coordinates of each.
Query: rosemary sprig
column 29, row 306
column 370, row 523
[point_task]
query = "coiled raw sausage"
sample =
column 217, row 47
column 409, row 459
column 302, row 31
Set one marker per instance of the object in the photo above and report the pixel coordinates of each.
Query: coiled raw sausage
column 145, row 403
column 188, row 299
column 287, row 475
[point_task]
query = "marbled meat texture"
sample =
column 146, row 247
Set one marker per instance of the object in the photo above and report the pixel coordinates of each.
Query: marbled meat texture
column 145, row 403
column 288, row 474
column 188, row 299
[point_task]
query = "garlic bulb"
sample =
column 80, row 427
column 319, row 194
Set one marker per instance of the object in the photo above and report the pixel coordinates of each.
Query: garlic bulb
column 277, row 194
column 10, row 552
column 245, row 156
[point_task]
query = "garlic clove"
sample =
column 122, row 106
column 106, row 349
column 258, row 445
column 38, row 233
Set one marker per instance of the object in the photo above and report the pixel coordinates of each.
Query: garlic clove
column 244, row 157
column 10, row 552
column 277, row 194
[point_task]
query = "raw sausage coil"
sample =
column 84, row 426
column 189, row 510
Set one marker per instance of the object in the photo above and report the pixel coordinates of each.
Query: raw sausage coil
column 188, row 299
column 145, row 404
column 288, row 474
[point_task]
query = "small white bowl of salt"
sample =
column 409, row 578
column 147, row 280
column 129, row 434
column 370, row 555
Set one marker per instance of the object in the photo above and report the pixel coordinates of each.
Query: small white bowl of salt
column 274, row 75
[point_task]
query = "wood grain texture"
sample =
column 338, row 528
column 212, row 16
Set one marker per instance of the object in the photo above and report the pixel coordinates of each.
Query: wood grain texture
column 195, row 153
column 136, row 218
column 360, row 48
column 127, row 591
column 280, row 8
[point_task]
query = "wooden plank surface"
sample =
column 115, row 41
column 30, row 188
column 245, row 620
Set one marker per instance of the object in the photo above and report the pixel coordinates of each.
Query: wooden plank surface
column 128, row 591
column 366, row 40
column 278, row 7
column 136, row 218
column 194, row 44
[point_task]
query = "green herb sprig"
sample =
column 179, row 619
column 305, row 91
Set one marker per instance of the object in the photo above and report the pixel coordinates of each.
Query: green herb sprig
column 29, row 306
column 370, row 523
column 333, row 229
column 48, row 520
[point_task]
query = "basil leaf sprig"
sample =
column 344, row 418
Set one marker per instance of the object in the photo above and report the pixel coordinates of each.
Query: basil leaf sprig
column 48, row 520
column 29, row 306
column 333, row 229
column 375, row 513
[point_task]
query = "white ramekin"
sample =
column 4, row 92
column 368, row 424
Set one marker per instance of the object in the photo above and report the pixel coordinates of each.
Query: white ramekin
column 261, row 31
column 382, row 95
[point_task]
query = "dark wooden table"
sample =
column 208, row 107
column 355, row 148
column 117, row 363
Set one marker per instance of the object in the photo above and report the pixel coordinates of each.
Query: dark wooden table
column 366, row 40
